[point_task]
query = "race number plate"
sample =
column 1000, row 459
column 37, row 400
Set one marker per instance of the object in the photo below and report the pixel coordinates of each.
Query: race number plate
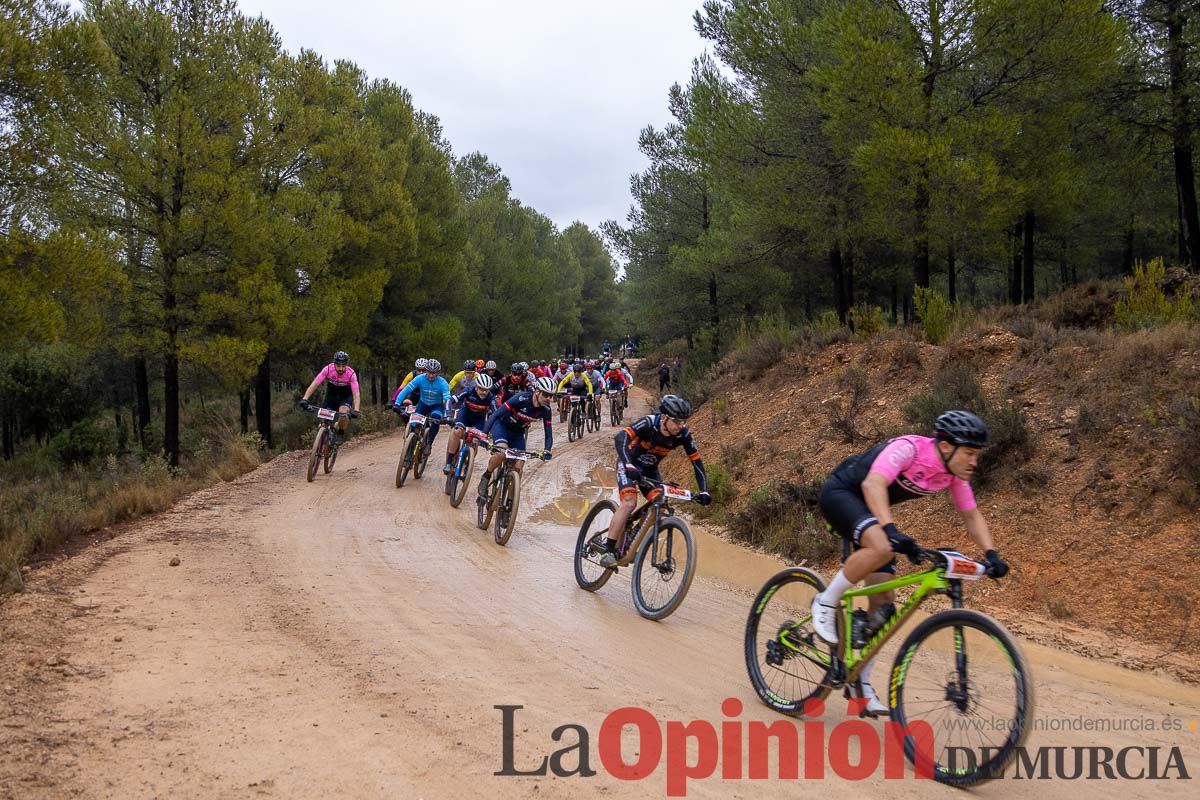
column 326, row 413
column 575, row 398
column 963, row 567
column 677, row 493
column 516, row 455
column 416, row 419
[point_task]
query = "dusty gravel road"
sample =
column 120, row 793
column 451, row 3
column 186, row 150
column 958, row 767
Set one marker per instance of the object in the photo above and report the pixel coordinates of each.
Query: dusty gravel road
column 348, row 639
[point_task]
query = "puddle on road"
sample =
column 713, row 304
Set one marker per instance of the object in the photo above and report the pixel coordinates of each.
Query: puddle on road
column 719, row 559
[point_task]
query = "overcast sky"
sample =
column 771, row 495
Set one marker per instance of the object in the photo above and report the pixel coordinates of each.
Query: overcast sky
column 554, row 91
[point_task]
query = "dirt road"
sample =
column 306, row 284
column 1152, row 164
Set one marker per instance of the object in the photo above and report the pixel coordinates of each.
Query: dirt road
column 348, row 639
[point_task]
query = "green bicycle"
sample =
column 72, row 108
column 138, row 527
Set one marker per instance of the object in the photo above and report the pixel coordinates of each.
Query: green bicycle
column 959, row 671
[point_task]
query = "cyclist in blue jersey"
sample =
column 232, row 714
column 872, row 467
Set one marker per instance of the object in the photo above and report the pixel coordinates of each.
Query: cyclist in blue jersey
column 474, row 405
column 433, row 394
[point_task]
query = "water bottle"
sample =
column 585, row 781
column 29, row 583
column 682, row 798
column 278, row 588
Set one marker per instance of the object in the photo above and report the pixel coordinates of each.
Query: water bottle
column 879, row 618
column 858, row 629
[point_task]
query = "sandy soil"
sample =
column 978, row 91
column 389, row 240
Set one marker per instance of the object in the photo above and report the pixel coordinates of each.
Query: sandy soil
column 348, row 639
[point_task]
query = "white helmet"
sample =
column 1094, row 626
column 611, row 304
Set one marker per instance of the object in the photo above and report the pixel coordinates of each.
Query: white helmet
column 483, row 381
column 420, row 365
column 490, row 365
column 544, row 385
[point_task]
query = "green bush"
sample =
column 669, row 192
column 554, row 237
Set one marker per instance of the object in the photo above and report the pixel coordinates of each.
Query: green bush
column 867, row 320
column 720, row 485
column 1145, row 304
column 82, row 443
column 935, row 312
column 782, row 519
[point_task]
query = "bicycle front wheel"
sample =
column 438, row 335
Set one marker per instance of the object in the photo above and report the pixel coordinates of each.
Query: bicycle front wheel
column 588, row 572
column 406, row 461
column 787, row 662
column 663, row 569
column 963, row 685
column 506, row 509
column 314, row 458
column 460, row 478
column 486, row 506
column 331, row 451
column 421, row 456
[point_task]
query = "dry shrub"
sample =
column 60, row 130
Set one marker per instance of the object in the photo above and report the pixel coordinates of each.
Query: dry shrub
column 782, row 518
column 844, row 409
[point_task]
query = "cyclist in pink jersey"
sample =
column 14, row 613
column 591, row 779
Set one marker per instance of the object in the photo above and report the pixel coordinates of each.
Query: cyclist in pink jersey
column 857, row 503
column 341, row 388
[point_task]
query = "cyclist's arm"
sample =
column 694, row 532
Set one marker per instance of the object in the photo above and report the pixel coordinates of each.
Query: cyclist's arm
column 457, row 379
column 977, row 529
column 563, row 382
column 500, row 411
column 693, row 454
column 405, row 391
column 875, row 492
column 547, row 415
column 354, row 389
column 588, row 383
column 622, row 440
column 407, row 380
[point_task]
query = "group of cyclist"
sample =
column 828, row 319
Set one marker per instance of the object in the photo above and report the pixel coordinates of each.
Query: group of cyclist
column 856, row 500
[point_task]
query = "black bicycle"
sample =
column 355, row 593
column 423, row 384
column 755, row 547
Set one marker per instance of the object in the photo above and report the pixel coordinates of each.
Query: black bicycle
column 460, row 476
column 575, row 422
column 325, row 444
column 503, row 498
column 658, row 544
column 616, row 409
column 416, row 449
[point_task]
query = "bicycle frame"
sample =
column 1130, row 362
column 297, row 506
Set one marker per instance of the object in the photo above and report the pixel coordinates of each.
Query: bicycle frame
column 648, row 524
column 927, row 582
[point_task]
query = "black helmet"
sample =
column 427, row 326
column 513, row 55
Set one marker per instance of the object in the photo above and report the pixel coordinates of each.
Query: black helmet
column 469, row 365
column 961, row 428
column 340, row 357
column 675, row 407
column 518, row 367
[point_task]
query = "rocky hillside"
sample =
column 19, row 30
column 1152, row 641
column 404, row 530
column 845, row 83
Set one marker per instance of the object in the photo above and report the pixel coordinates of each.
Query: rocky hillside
column 1092, row 494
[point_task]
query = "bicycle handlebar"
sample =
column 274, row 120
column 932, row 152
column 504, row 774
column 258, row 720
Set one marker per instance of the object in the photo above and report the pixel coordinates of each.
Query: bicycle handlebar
column 938, row 558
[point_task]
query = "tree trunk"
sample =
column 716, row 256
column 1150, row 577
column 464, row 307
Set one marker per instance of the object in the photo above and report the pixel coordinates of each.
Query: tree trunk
column 714, row 317
column 141, row 379
column 1181, row 133
column 1127, row 253
column 244, row 409
column 895, row 299
column 1014, row 277
column 849, row 261
column 262, row 399
column 838, row 271
column 171, row 400
column 374, row 389
column 951, row 275
column 9, row 443
column 1030, row 227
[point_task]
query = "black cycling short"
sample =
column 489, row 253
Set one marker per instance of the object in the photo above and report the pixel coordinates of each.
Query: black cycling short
column 338, row 396
column 845, row 509
column 628, row 488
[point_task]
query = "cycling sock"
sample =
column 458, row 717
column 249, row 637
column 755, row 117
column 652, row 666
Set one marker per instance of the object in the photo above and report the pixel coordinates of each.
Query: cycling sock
column 837, row 587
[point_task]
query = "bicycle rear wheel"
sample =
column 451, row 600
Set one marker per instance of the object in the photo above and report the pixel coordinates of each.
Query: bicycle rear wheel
column 663, row 569
column 315, row 456
column 961, row 674
column 588, row 572
column 422, row 455
column 506, row 507
column 612, row 413
column 460, row 478
column 787, row 662
column 331, row 451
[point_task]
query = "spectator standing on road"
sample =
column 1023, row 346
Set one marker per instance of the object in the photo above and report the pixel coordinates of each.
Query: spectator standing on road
column 664, row 377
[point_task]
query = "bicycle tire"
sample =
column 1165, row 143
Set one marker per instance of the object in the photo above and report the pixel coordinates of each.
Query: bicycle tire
column 483, row 517
column 1018, row 727
column 315, row 456
column 506, row 521
column 822, row 680
column 581, row 546
column 461, row 476
column 406, row 461
column 421, row 458
column 641, row 565
column 331, row 451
